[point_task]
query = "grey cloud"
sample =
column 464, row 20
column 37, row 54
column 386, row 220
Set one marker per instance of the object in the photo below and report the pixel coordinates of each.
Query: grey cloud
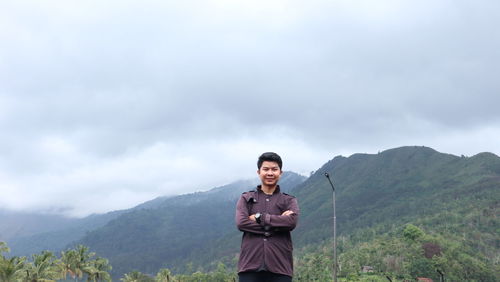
column 85, row 87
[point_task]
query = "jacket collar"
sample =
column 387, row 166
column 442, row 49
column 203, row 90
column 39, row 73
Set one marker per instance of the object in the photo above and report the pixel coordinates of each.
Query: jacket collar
column 277, row 190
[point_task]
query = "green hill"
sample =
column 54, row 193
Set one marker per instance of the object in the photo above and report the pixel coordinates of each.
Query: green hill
column 454, row 200
column 409, row 184
column 169, row 232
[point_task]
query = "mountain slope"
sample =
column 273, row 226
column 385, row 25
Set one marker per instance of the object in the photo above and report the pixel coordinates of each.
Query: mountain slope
column 395, row 187
column 31, row 233
column 19, row 224
column 169, row 232
column 376, row 194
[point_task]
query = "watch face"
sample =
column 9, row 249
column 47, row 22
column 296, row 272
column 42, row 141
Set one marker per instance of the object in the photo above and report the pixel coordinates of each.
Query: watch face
column 257, row 217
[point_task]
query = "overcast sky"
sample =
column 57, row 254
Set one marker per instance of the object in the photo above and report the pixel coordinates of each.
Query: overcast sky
column 107, row 104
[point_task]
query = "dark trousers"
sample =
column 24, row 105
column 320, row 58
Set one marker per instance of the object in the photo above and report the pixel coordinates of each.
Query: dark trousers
column 263, row 276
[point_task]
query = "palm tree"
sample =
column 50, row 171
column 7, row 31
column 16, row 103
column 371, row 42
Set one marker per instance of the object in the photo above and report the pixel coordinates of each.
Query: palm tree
column 68, row 264
column 4, row 248
column 136, row 276
column 76, row 262
column 43, row 268
column 11, row 269
column 98, row 270
column 164, row 275
column 83, row 257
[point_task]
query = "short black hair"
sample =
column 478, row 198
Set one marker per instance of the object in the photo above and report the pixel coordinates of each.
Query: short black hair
column 269, row 157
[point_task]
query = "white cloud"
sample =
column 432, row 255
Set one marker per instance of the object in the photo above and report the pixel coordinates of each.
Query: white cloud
column 104, row 184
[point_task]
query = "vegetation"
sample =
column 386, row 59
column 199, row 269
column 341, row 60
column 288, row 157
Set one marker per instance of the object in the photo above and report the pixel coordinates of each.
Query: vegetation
column 79, row 264
column 402, row 254
column 169, row 235
column 403, row 213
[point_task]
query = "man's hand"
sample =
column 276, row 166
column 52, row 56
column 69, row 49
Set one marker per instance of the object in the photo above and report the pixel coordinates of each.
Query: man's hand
column 252, row 217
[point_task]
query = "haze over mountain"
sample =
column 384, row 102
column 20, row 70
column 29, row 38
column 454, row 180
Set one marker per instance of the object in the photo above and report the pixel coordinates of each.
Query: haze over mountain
column 28, row 233
column 169, row 232
column 377, row 194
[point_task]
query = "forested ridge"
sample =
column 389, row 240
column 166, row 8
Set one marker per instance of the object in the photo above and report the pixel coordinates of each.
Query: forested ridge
column 403, row 213
column 454, row 202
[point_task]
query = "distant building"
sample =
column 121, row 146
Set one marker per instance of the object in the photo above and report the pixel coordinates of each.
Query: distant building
column 423, row 279
column 367, row 269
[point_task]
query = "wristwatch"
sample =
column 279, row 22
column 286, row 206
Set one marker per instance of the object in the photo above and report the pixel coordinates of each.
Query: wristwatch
column 257, row 217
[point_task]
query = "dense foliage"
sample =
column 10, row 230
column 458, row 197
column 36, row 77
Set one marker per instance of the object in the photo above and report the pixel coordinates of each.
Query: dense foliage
column 76, row 264
column 81, row 265
column 401, row 254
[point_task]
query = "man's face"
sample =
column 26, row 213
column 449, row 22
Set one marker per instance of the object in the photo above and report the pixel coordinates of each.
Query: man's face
column 269, row 173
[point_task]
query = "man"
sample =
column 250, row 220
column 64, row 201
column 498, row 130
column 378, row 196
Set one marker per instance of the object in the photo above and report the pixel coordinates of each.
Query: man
column 266, row 216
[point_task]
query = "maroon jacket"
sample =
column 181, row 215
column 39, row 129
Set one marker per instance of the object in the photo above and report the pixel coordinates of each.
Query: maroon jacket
column 268, row 245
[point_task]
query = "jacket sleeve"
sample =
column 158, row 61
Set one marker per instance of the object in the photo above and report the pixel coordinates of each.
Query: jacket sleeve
column 284, row 222
column 243, row 222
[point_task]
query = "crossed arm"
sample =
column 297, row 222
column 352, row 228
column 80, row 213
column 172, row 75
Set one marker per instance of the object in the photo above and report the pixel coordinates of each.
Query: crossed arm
column 288, row 212
column 246, row 222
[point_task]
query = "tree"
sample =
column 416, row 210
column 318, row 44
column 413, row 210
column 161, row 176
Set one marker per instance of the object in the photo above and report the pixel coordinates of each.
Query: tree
column 136, row 276
column 11, row 269
column 78, row 263
column 68, row 264
column 42, row 269
column 83, row 257
column 97, row 270
column 4, row 248
column 411, row 232
column 221, row 273
column 164, row 275
column 431, row 249
column 315, row 267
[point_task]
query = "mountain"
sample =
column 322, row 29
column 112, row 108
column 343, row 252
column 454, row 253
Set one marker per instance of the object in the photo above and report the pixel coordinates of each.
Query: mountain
column 19, row 224
column 29, row 233
column 168, row 232
column 397, row 186
column 454, row 200
column 376, row 194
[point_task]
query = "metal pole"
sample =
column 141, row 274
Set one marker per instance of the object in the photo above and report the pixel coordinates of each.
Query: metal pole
column 441, row 275
column 334, row 231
